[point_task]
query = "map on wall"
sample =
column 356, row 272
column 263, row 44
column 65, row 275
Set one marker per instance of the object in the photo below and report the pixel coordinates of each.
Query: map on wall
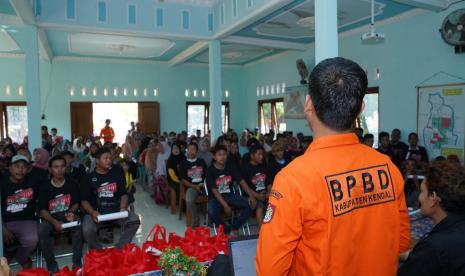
column 441, row 120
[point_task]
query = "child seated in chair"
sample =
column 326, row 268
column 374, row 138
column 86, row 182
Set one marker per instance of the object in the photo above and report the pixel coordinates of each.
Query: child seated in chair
column 220, row 178
column 59, row 204
column 254, row 173
column 103, row 192
column 19, row 194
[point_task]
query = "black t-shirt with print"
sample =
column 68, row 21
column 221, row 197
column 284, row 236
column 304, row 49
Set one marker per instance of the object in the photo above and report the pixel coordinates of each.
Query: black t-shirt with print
column 19, row 199
column 222, row 180
column 194, row 172
column 104, row 191
column 57, row 201
column 255, row 176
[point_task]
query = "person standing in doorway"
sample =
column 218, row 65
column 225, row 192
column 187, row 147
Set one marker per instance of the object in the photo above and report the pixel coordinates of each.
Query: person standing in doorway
column 333, row 210
column 107, row 133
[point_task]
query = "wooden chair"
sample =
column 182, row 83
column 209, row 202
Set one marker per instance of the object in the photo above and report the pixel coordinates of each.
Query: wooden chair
column 201, row 200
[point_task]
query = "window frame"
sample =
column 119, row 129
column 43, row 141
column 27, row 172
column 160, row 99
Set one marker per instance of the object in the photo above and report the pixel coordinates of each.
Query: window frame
column 260, row 103
column 4, row 114
column 207, row 114
column 370, row 90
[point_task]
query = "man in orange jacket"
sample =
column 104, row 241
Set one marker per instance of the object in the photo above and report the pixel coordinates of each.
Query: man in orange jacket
column 339, row 209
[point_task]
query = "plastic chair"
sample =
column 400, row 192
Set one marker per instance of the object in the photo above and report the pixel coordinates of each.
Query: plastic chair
column 231, row 218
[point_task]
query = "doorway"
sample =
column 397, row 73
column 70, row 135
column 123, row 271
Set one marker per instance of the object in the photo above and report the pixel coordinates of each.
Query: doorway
column 120, row 114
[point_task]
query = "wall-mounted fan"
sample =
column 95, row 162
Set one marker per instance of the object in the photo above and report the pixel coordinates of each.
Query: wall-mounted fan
column 453, row 28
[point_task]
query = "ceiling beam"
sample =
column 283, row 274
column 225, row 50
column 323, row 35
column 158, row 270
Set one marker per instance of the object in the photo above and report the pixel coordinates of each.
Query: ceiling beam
column 433, row 5
column 277, row 44
column 24, row 10
column 264, row 10
column 25, row 13
column 188, row 53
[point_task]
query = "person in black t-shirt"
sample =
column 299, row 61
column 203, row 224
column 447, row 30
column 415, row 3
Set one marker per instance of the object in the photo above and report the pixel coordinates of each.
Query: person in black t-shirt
column 254, row 173
column 220, row 177
column 415, row 151
column 74, row 169
column 192, row 174
column 18, row 195
column 103, row 192
column 400, row 148
column 384, row 146
column 59, row 204
column 276, row 162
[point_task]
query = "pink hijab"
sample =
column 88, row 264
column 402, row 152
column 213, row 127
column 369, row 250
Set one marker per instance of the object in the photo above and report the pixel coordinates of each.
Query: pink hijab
column 42, row 161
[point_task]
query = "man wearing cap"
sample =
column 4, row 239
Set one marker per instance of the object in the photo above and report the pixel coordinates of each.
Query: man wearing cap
column 339, row 209
column 18, row 195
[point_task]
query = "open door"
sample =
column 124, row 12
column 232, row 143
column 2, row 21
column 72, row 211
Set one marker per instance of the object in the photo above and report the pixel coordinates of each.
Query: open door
column 149, row 117
column 81, row 119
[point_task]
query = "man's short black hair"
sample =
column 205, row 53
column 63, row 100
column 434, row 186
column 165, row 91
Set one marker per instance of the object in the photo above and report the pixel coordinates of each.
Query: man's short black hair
column 337, row 87
column 219, row 148
column 54, row 129
column 368, row 136
column 67, row 153
column 396, row 130
column 191, row 144
column 383, row 134
column 255, row 148
column 413, row 134
column 56, row 158
column 101, row 151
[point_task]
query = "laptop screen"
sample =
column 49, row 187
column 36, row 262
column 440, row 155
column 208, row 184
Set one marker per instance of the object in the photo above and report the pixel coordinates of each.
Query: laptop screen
column 242, row 254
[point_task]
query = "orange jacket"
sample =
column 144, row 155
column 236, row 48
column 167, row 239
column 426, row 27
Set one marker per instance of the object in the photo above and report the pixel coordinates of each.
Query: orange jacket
column 337, row 210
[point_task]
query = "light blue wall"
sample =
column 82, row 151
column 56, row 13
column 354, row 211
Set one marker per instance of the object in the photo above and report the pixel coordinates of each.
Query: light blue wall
column 413, row 51
column 171, row 82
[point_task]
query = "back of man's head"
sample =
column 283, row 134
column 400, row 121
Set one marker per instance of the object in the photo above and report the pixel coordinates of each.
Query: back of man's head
column 337, row 87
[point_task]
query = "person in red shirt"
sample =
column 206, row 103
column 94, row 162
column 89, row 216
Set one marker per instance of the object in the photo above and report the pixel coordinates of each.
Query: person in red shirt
column 107, row 133
column 339, row 209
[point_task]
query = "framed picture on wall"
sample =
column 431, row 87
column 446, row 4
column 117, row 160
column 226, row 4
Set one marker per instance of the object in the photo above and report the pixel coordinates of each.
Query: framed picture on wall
column 294, row 102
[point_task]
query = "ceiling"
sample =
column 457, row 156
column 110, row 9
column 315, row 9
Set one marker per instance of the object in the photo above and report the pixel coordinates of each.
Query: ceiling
column 292, row 23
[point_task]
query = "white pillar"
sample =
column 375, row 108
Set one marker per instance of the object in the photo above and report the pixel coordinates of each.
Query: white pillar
column 32, row 88
column 216, row 90
column 326, row 33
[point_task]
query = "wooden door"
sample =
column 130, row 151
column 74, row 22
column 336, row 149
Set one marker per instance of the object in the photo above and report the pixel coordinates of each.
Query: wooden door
column 81, row 119
column 149, row 117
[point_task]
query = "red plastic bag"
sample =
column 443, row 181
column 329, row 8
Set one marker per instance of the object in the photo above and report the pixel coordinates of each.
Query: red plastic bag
column 155, row 242
column 104, row 262
column 33, row 272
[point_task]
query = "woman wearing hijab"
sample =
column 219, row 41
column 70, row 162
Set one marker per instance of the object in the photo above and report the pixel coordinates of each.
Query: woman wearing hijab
column 172, row 167
column 39, row 168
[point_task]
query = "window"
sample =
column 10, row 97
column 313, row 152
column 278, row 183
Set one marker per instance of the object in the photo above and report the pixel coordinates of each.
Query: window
column 159, row 17
column 102, row 11
column 14, row 121
column 198, row 118
column 222, row 19
column 132, row 14
column 185, row 20
column 70, row 9
column 210, row 22
column 369, row 119
column 234, row 7
column 271, row 116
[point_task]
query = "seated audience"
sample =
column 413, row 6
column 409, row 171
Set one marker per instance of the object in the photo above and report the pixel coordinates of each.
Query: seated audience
column 254, row 173
column 442, row 199
column 59, row 204
column 220, row 179
column 276, row 163
column 192, row 172
column 74, row 169
column 130, row 176
column 414, row 150
column 359, row 132
column 18, row 195
column 172, row 166
column 268, row 142
column 204, row 151
column 412, row 183
column 234, row 156
column 103, row 192
column 384, row 147
column 368, row 140
column 400, row 148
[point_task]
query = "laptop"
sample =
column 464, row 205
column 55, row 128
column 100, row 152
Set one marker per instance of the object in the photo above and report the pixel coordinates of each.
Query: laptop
column 242, row 252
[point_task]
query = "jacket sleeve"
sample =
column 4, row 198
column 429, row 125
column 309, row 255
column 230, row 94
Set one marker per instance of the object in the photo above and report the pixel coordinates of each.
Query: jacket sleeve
column 404, row 241
column 281, row 229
